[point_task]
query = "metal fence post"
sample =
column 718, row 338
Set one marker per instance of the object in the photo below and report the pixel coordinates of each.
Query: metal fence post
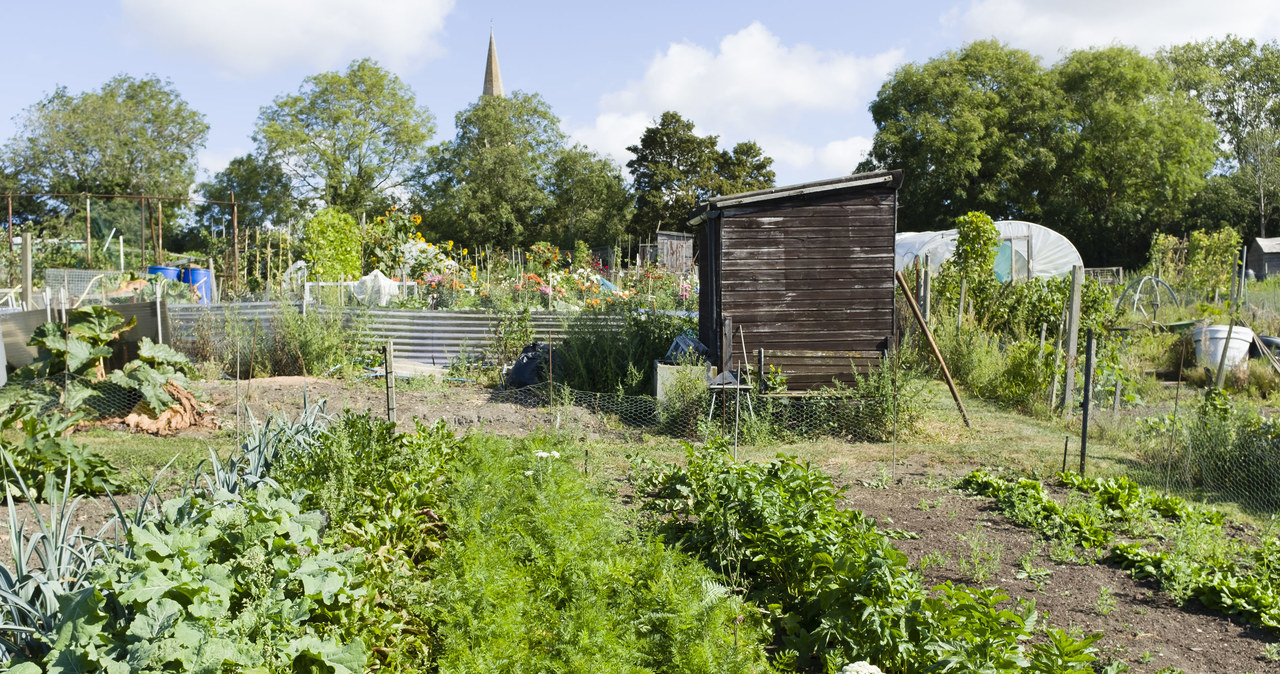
column 27, row 299
column 1073, row 339
column 1088, row 396
column 389, row 368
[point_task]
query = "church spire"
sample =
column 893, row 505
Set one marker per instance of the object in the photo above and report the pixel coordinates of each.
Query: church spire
column 492, row 78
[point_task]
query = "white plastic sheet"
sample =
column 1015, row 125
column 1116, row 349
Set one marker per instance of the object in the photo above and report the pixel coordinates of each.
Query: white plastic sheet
column 1027, row 250
column 375, row 288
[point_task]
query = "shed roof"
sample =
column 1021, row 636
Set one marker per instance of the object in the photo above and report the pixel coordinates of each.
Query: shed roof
column 892, row 179
column 1268, row 245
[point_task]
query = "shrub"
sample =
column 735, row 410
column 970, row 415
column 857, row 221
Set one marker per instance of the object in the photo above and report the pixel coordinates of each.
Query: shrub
column 330, row 247
column 1023, row 377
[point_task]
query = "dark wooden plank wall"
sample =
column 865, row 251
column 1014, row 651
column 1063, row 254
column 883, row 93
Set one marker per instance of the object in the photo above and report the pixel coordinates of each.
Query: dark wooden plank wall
column 811, row 272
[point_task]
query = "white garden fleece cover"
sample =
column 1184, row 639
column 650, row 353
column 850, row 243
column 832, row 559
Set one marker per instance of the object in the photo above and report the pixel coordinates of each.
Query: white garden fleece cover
column 1027, row 250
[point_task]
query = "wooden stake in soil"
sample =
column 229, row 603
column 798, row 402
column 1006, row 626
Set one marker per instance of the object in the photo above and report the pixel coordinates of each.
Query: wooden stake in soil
column 924, row 327
column 1222, row 360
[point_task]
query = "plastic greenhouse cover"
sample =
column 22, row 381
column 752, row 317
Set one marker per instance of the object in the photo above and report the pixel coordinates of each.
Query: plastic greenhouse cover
column 1026, row 250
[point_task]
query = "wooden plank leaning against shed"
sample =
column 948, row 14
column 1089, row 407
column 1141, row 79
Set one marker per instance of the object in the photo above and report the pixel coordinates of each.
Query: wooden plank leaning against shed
column 924, row 327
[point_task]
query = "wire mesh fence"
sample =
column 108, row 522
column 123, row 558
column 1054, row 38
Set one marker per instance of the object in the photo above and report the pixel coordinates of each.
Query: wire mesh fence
column 692, row 410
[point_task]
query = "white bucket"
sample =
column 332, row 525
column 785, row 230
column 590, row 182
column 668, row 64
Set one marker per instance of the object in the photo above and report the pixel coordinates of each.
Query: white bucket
column 1209, row 341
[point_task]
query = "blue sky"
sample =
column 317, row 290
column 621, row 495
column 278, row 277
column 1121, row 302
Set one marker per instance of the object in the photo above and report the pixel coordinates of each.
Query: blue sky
column 795, row 77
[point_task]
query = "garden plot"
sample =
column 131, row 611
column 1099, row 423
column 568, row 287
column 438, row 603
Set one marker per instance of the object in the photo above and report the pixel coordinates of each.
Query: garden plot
column 961, row 535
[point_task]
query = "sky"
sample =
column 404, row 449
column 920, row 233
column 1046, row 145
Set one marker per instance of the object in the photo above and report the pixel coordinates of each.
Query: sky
column 795, row 77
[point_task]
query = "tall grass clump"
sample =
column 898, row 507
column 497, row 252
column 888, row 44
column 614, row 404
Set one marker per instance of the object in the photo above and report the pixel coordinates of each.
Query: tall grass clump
column 290, row 344
column 614, row 351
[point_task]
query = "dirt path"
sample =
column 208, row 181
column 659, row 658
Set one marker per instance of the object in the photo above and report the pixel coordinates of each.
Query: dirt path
column 464, row 408
column 1139, row 623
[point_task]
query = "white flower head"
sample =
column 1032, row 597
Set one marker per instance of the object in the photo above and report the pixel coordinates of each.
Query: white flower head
column 541, row 454
column 555, row 454
column 527, row 473
column 860, row 668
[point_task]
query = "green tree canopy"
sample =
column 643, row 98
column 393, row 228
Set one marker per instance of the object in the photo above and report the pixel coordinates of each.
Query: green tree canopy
column 972, row 130
column 133, row 136
column 508, row 179
column 1238, row 82
column 1101, row 147
column 590, row 201
column 489, row 185
column 347, row 139
column 1137, row 152
column 262, row 192
column 674, row 170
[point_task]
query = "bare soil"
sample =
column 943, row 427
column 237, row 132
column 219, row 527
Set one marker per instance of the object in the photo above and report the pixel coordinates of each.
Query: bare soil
column 89, row 515
column 1143, row 624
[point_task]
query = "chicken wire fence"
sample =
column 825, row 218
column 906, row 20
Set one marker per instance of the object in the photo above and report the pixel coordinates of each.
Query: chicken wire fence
column 93, row 399
column 1211, row 453
column 743, row 415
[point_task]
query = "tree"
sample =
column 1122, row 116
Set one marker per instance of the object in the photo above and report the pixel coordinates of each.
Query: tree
column 1226, row 200
column 1238, row 82
column 744, row 169
column 262, row 192
column 134, row 136
column 674, row 170
column 590, row 201
column 972, row 130
column 1136, row 152
column 347, row 139
column 491, row 183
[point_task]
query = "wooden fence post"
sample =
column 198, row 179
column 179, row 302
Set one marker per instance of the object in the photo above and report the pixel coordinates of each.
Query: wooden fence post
column 1073, row 339
column 926, row 303
column 27, row 289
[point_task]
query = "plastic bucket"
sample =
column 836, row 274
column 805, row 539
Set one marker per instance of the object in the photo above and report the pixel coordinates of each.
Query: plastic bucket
column 170, row 273
column 1210, row 340
column 199, row 280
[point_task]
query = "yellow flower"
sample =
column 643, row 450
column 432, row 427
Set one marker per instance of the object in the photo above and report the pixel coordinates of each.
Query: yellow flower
column 417, row 219
column 464, row 251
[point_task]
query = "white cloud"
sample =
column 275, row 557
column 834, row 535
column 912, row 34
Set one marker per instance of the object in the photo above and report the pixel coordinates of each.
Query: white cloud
column 752, row 87
column 252, row 37
column 842, row 156
column 1051, row 27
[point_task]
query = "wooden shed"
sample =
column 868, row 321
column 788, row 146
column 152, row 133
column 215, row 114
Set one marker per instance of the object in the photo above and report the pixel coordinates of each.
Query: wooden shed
column 804, row 273
column 1264, row 257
